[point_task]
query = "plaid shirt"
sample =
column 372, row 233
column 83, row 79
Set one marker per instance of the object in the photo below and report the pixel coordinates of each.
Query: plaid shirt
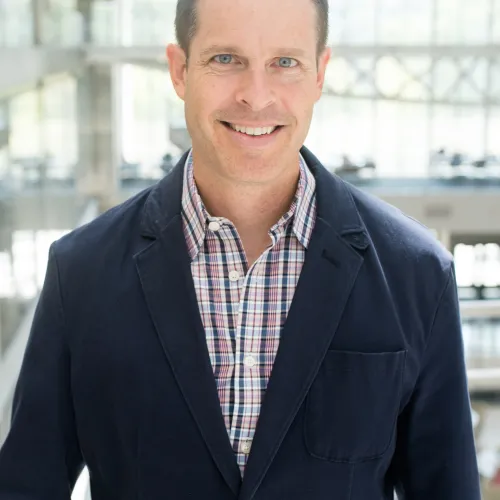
column 244, row 310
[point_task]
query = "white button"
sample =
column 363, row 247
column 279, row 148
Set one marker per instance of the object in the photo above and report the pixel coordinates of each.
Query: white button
column 246, row 446
column 234, row 275
column 249, row 361
column 214, row 226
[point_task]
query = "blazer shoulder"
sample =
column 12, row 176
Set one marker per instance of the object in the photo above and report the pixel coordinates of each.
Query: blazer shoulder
column 110, row 231
column 397, row 234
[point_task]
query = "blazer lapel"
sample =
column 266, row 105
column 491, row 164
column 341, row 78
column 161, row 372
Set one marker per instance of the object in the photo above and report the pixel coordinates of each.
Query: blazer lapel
column 332, row 263
column 165, row 274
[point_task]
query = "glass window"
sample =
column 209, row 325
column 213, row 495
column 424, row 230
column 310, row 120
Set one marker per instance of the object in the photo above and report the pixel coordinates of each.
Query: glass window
column 496, row 21
column 4, row 124
column 393, row 134
column 495, row 80
column 475, row 21
column 62, row 25
column 463, row 21
column 405, row 78
column 365, row 78
column 386, row 137
column 326, row 128
column 4, row 162
column 442, row 128
column 16, row 23
column 357, row 22
column 465, row 259
column 354, row 76
column 25, row 126
column 418, row 78
column 478, row 265
column 470, row 89
column 459, row 129
column 60, row 127
column 413, row 139
column 24, row 263
column 450, row 85
column 104, row 25
column 340, row 75
column 342, row 127
column 470, row 133
column 401, row 139
column 356, row 134
column 446, row 73
column 448, row 17
column 493, row 139
column 390, row 76
column 404, row 21
column 7, row 282
column 144, row 108
column 337, row 21
column 3, row 22
column 151, row 21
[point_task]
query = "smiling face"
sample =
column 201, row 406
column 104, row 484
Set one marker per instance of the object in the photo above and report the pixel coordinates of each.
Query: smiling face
column 250, row 85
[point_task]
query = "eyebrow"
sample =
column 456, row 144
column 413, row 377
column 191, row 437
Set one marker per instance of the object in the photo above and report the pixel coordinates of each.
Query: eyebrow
column 219, row 49
column 228, row 49
column 289, row 52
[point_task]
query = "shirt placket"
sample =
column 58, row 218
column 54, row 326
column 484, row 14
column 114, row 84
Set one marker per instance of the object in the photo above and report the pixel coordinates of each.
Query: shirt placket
column 234, row 276
column 249, row 359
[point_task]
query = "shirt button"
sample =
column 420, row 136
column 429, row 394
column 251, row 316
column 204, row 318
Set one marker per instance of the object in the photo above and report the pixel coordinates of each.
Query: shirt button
column 246, row 446
column 249, row 361
column 214, row 226
column 234, row 275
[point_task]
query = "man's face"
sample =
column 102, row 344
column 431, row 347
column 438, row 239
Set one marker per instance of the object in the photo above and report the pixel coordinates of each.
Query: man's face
column 252, row 64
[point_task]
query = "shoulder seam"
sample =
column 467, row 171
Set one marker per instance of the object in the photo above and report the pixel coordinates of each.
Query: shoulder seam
column 52, row 253
column 439, row 304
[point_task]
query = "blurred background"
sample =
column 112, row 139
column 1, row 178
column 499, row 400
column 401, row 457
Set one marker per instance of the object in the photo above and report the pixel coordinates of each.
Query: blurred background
column 410, row 112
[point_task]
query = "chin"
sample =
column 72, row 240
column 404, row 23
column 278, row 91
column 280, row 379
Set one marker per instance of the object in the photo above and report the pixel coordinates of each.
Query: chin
column 253, row 169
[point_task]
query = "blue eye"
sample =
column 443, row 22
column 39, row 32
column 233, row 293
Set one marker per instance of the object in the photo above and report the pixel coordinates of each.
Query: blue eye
column 288, row 62
column 223, row 59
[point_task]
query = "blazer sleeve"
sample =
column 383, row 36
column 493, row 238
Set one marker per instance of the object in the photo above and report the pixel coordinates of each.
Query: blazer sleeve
column 435, row 455
column 41, row 459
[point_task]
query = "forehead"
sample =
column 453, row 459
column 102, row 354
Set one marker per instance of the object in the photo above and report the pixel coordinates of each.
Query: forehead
column 269, row 23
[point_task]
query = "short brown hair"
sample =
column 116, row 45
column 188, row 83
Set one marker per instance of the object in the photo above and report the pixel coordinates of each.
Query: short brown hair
column 186, row 23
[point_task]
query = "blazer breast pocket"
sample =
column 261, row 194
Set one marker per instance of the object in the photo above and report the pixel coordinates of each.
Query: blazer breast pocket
column 353, row 405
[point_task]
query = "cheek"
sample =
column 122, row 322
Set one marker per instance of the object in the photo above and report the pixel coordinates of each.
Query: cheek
column 202, row 108
column 299, row 103
column 298, row 92
column 214, row 102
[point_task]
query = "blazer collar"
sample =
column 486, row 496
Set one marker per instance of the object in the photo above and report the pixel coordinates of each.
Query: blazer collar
column 335, row 204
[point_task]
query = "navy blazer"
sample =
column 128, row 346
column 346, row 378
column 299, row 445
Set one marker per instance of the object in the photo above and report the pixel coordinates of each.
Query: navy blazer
column 368, row 393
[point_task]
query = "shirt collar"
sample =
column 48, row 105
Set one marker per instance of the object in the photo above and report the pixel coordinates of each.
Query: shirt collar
column 196, row 218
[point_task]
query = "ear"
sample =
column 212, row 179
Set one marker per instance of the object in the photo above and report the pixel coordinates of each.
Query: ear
column 177, row 65
column 323, row 61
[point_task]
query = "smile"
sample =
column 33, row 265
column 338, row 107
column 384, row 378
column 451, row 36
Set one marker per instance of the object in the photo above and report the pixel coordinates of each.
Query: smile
column 252, row 131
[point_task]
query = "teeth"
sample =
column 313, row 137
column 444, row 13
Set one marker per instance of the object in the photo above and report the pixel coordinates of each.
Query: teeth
column 253, row 131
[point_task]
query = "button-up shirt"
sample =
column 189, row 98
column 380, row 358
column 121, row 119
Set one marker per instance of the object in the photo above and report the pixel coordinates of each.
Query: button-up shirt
column 244, row 309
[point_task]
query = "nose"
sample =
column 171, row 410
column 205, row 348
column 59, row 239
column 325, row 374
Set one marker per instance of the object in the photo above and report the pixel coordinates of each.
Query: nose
column 256, row 91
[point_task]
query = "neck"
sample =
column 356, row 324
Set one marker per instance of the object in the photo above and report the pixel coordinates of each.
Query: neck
column 252, row 207
column 247, row 204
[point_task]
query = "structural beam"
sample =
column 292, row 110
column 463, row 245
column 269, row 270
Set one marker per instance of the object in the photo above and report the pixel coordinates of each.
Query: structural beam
column 24, row 67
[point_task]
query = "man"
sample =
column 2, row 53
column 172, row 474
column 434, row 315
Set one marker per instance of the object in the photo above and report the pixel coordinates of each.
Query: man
column 252, row 327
